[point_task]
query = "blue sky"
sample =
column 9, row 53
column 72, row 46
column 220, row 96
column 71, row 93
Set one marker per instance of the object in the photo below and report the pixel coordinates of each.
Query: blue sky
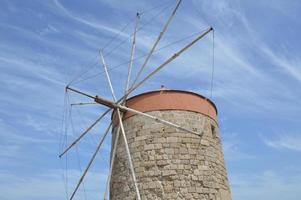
column 46, row 44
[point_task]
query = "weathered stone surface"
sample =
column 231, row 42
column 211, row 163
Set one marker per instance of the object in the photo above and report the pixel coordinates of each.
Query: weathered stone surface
column 169, row 163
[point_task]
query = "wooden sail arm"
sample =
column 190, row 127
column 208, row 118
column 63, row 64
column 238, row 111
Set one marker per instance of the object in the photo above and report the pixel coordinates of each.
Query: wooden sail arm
column 84, row 133
column 174, row 56
column 113, row 105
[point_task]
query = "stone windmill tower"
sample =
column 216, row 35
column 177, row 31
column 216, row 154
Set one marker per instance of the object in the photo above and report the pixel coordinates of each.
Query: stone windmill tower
column 165, row 143
column 171, row 163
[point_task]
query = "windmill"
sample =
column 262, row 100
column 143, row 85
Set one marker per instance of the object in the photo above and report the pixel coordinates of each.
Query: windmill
column 120, row 109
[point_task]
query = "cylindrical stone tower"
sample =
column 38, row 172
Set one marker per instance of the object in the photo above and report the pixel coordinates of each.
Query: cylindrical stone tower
column 170, row 163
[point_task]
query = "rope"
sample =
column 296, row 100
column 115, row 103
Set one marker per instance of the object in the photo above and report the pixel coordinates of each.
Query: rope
column 85, row 70
column 213, row 55
column 77, row 155
column 212, row 71
column 67, row 118
column 123, row 29
column 63, row 125
column 66, row 176
column 115, row 36
column 213, row 64
column 90, row 66
column 155, row 7
column 139, row 29
column 91, row 137
column 64, row 180
column 83, row 104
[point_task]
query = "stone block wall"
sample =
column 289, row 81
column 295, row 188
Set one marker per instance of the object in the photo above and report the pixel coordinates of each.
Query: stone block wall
column 169, row 163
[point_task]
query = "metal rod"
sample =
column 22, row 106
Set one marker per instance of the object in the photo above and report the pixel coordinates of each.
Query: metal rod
column 108, row 77
column 123, row 102
column 124, row 108
column 91, row 161
column 162, row 121
column 82, row 104
column 157, row 42
column 112, row 163
column 128, row 154
column 122, row 129
column 117, row 136
column 79, row 92
column 84, row 133
column 132, row 53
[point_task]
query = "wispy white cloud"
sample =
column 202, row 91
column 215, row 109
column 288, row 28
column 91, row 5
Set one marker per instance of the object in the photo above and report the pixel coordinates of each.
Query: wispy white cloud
column 34, row 76
column 266, row 185
column 284, row 141
column 290, row 65
column 232, row 148
column 89, row 22
column 284, row 59
column 240, row 78
column 15, row 138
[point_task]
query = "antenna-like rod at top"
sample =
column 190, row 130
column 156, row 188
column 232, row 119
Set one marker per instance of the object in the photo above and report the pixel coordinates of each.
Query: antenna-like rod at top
column 132, row 53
